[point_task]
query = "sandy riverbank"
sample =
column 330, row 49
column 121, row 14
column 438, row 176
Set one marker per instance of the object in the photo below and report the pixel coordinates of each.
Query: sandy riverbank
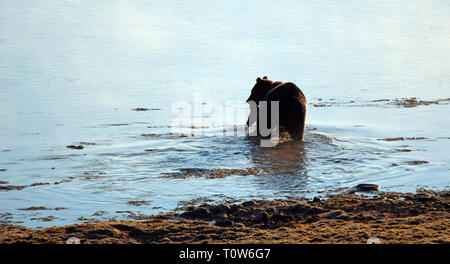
column 422, row 217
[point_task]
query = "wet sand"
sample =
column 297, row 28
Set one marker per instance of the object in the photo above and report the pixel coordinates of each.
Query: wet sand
column 342, row 218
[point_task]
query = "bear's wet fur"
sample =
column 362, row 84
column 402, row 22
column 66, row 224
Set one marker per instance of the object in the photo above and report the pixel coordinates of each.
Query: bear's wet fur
column 292, row 104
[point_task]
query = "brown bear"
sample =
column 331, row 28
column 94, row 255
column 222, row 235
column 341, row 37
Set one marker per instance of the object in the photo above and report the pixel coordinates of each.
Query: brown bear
column 292, row 104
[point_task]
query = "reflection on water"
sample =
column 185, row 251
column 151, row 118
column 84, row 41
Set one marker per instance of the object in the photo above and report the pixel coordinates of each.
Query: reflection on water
column 285, row 167
column 106, row 75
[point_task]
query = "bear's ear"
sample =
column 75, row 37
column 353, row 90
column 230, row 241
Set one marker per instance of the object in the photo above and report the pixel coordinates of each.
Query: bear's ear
column 258, row 80
column 265, row 77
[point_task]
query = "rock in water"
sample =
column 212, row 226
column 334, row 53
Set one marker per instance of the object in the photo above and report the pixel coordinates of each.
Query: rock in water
column 367, row 187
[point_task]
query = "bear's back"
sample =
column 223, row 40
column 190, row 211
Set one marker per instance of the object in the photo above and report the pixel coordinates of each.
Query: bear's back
column 276, row 83
column 285, row 91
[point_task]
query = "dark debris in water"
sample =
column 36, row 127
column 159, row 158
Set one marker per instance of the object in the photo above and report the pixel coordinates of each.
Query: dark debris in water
column 167, row 135
column 414, row 101
column 114, row 125
column 39, row 184
column 60, row 157
column 322, row 105
column 63, row 181
column 401, row 138
column 152, row 149
column 44, row 219
column 398, row 102
column 145, row 109
column 211, row 173
column 93, row 175
column 138, row 203
column 75, row 146
column 412, row 162
column 403, row 150
column 13, row 187
column 34, row 208
column 20, row 187
column 40, row 208
column 88, row 143
column 151, row 135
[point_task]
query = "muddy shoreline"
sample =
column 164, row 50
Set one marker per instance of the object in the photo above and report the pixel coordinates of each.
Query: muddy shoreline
column 417, row 218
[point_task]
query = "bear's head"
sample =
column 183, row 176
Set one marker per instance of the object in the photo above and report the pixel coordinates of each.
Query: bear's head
column 260, row 89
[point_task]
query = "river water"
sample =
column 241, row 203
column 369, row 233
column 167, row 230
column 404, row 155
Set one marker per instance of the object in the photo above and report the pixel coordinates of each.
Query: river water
column 376, row 76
